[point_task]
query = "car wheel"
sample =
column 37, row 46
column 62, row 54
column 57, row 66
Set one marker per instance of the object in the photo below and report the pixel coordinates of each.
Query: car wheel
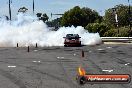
column 79, row 45
column 65, row 45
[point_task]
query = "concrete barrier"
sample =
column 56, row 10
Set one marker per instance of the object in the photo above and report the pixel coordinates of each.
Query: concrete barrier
column 116, row 39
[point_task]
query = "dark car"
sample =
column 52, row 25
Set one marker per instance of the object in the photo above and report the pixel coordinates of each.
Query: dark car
column 72, row 40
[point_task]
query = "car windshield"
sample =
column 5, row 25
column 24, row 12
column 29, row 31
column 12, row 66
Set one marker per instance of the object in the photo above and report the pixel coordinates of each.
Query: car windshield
column 72, row 36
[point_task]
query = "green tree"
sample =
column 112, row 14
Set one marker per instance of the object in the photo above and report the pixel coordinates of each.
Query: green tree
column 111, row 33
column 123, row 16
column 73, row 17
column 79, row 17
column 90, row 16
column 42, row 17
column 39, row 14
column 123, row 32
column 101, row 28
column 54, row 23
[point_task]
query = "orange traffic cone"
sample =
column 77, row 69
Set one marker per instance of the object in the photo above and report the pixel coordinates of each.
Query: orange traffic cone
column 82, row 53
column 17, row 45
column 28, row 48
column 36, row 45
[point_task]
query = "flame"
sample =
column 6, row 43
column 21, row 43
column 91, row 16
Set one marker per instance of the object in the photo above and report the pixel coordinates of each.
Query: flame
column 81, row 71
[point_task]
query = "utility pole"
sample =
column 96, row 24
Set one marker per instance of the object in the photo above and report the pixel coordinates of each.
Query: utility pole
column 33, row 7
column 116, row 18
column 10, row 9
column 130, row 18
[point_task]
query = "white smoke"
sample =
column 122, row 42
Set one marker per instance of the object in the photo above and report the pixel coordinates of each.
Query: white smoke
column 27, row 30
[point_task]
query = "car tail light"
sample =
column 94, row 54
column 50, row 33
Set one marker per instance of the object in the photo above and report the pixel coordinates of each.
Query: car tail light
column 67, row 40
column 78, row 39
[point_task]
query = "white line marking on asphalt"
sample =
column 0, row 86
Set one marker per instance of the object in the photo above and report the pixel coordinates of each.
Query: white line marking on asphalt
column 108, row 70
column 36, row 61
column 35, row 50
column 100, row 49
column 127, row 63
column 90, row 51
column 74, row 54
column 60, row 57
column 109, row 47
column 11, row 66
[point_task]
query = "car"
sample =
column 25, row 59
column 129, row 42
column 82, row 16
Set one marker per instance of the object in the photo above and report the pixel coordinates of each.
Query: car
column 72, row 40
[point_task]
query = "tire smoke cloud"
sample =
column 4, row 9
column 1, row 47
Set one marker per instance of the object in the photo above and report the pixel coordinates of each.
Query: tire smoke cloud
column 28, row 30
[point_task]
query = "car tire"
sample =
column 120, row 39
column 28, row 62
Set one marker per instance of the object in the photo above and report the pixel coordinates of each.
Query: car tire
column 79, row 44
column 65, row 45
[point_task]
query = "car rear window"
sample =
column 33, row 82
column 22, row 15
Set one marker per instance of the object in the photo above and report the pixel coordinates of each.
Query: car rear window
column 72, row 36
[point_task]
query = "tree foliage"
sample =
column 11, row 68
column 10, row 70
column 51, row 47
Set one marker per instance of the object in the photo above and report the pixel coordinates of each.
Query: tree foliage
column 54, row 23
column 79, row 17
column 123, row 32
column 101, row 28
column 42, row 17
column 122, row 13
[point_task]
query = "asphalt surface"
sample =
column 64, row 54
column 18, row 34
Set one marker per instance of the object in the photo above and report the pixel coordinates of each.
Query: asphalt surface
column 56, row 67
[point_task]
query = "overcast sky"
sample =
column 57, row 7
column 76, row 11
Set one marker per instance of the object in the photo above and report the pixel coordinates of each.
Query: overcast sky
column 58, row 6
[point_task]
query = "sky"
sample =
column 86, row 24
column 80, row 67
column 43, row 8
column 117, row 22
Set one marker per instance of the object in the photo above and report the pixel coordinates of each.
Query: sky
column 58, row 6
